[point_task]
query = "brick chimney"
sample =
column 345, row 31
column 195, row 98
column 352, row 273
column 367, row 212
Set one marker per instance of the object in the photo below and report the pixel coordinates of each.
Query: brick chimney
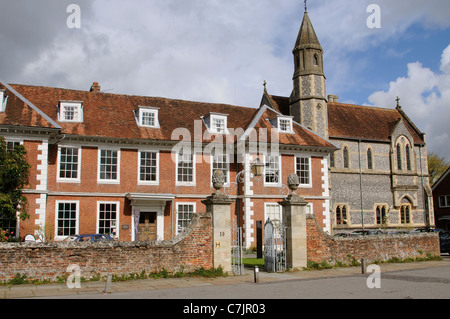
column 95, row 87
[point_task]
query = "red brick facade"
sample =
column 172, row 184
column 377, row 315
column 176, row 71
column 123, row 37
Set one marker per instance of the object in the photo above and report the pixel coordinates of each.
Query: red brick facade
column 86, row 174
column 441, row 201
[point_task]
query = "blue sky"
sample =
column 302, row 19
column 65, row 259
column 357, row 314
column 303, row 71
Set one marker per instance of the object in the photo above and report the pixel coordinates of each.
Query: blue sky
column 223, row 51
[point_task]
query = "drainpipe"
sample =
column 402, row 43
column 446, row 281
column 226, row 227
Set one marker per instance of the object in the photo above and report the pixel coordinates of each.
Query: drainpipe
column 360, row 183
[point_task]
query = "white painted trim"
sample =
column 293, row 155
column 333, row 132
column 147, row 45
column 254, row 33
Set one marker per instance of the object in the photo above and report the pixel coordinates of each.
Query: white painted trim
column 58, row 163
column 108, row 181
column 77, row 218
column 139, row 182
column 117, row 235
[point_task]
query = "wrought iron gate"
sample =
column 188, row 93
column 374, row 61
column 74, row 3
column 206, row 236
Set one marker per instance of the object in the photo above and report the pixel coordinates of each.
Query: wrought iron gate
column 237, row 265
column 274, row 246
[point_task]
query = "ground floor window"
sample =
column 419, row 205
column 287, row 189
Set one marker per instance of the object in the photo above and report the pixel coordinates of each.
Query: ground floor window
column 66, row 218
column 381, row 217
column 405, row 214
column 107, row 218
column 185, row 212
column 273, row 211
column 341, row 214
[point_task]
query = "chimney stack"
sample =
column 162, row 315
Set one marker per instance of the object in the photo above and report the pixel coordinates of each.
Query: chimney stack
column 333, row 98
column 95, row 87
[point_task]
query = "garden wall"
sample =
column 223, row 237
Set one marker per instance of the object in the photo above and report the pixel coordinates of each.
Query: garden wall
column 323, row 247
column 187, row 252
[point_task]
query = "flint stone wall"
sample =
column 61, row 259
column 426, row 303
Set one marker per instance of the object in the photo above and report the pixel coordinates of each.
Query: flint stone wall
column 323, row 247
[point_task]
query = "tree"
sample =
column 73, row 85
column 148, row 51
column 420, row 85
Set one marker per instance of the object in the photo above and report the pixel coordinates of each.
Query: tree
column 436, row 167
column 14, row 174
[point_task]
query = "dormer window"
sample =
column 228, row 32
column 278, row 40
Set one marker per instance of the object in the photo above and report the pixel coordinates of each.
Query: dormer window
column 70, row 112
column 283, row 124
column 217, row 123
column 148, row 116
column 3, row 99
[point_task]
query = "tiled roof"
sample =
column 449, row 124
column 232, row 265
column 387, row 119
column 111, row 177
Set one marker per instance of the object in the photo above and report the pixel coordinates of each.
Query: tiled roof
column 21, row 112
column 355, row 121
column 113, row 116
column 369, row 123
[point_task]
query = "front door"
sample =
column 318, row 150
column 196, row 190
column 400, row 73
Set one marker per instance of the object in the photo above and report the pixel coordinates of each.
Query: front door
column 147, row 227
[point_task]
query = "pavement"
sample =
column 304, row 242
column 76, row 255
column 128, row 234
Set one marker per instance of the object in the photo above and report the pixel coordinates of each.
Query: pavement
column 94, row 289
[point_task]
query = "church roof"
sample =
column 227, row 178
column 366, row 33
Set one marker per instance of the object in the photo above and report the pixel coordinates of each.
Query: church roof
column 356, row 121
column 365, row 122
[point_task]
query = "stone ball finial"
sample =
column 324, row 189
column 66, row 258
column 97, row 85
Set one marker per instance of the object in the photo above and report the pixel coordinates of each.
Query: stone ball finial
column 218, row 179
column 293, row 182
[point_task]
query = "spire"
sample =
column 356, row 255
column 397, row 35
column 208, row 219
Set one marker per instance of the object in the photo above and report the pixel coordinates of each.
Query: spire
column 307, row 38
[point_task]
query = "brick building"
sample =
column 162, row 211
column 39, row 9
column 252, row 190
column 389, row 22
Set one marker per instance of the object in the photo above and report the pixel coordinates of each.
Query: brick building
column 441, row 198
column 138, row 167
column 115, row 163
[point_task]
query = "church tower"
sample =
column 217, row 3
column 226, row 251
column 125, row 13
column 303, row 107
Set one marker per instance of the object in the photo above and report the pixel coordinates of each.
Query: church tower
column 308, row 103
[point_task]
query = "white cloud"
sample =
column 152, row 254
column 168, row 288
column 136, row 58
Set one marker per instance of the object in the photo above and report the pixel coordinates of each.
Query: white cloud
column 425, row 97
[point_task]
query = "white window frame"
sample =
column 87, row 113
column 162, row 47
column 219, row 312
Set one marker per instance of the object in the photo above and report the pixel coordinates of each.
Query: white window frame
column 13, row 140
column 183, row 183
column 77, row 218
column 446, row 201
column 108, row 181
column 212, row 123
column 308, row 157
column 65, row 179
column 78, row 114
column 268, row 206
column 145, row 182
column 194, row 207
column 289, row 129
column 227, row 175
column 278, row 182
column 149, row 110
column 116, row 236
column 3, row 100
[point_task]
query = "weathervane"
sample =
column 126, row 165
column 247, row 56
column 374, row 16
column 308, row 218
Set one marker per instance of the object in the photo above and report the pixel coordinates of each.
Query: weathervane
column 306, row 8
column 398, row 101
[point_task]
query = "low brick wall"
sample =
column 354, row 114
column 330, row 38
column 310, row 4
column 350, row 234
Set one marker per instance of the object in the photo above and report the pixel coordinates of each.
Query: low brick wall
column 189, row 251
column 323, row 247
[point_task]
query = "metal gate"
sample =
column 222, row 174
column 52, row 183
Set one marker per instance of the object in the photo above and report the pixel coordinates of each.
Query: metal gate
column 237, row 265
column 274, row 246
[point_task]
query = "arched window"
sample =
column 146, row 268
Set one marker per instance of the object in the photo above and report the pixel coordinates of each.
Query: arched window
column 405, row 211
column 369, row 159
column 408, row 158
column 381, row 215
column 316, row 59
column 341, row 215
column 399, row 157
column 345, row 155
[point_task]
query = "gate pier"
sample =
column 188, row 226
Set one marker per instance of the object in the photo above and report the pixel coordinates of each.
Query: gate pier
column 218, row 204
column 294, row 219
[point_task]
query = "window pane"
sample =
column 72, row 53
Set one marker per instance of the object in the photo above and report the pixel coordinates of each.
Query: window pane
column 185, row 214
column 68, row 166
column 303, row 169
column 148, row 166
column 272, row 169
column 108, row 164
column 107, row 219
column 220, row 162
column 67, row 213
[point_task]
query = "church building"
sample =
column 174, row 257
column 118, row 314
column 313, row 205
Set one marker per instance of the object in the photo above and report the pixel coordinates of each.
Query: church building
column 379, row 175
